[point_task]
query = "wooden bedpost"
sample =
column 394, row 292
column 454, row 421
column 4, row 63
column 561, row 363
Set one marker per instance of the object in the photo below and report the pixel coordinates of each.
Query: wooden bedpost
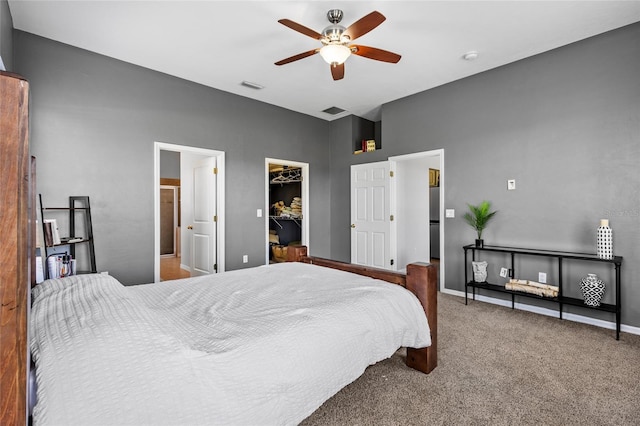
column 422, row 280
column 16, row 247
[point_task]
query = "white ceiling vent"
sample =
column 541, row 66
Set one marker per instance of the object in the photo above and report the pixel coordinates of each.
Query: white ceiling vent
column 252, row 85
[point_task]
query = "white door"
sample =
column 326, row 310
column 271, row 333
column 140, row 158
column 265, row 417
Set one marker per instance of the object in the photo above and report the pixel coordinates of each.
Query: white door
column 203, row 229
column 371, row 221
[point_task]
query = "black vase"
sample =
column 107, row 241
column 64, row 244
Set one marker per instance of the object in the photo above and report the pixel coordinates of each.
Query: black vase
column 479, row 243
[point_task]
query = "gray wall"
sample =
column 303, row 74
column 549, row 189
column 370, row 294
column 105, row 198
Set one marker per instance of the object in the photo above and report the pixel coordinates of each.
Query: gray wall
column 565, row 124
column 6, row 35
column 93, row 124
column 343, row 135
column 169, row 164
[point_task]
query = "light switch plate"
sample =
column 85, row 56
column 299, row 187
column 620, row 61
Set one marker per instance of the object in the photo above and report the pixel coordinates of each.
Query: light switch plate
column 511, row 184
column 259, row 213
column 450, row 213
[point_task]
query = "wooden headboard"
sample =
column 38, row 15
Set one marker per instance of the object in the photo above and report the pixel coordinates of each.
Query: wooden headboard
column 17, row 223
column 420, row 279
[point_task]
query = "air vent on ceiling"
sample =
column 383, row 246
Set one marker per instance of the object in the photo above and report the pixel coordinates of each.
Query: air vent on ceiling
column 252, row 85
column 333, row 110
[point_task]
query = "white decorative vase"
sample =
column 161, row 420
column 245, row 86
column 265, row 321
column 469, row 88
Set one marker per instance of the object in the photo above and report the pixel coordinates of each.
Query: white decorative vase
column 479, row 271
column 592, row 290
column 604, row 245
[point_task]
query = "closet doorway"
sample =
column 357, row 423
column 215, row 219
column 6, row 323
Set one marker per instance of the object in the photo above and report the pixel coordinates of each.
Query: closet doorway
column 177, row 176
column 286, row 208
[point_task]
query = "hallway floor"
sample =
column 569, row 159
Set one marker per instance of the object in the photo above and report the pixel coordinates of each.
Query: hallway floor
column 170, row 269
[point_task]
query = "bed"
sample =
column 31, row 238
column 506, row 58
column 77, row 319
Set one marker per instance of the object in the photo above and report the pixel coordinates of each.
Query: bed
column 265, row 345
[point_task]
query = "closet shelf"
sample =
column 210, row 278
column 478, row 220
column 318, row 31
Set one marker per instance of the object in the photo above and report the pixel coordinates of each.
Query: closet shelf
column 276, row 219
column 273, row 181
column 287, row 175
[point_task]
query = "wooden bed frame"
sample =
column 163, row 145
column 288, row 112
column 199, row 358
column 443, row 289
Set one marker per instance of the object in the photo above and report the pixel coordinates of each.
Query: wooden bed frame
column 420, row 279
column 18, row 256
column 17, row 220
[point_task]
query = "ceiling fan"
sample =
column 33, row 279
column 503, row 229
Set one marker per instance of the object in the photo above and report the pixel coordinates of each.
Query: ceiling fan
column 336, row 38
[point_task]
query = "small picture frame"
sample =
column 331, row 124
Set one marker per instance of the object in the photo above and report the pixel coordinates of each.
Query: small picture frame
column 434, row 177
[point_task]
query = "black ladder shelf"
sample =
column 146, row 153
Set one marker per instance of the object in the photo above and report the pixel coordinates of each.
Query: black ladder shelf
column 79, row 233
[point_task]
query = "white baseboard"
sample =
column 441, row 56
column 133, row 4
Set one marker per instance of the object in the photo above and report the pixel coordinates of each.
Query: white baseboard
column 611, row 325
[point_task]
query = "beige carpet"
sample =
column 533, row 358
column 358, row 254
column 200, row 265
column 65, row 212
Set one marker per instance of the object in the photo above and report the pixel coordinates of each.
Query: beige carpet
column 499, row 366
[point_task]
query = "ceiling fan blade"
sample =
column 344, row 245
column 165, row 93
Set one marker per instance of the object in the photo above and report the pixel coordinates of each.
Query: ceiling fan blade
column 300, row 28
column 337, row 71
column 297, row 57
column 374, row 53
column 364, row 25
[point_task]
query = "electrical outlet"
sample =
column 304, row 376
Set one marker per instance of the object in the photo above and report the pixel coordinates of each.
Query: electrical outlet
column 542, row 277
column 245, row 258
column 450, row 213
column 503, row 272
column 259, row 213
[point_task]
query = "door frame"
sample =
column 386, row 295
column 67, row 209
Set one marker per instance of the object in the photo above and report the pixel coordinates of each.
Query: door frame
column 433, row 153
column 220, row 200
column 304, row 188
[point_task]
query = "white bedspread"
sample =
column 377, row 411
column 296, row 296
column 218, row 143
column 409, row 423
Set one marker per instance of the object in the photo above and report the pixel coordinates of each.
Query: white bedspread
column 265, row 346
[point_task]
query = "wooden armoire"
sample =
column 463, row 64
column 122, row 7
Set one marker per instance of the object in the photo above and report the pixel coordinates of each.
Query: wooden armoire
column 17, row 228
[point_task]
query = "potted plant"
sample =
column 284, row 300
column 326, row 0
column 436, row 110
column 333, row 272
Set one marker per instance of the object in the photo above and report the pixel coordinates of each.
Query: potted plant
column 478, row 217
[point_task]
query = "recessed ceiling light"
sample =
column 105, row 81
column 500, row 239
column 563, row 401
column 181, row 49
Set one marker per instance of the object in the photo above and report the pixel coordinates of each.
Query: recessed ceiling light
column 470, row 56
column 252, row 85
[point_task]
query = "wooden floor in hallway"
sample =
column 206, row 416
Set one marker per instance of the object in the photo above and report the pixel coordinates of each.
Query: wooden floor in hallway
column 170, row 269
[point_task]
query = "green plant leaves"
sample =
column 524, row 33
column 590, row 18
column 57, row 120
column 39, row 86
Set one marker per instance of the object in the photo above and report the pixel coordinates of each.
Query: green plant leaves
column 478, row 216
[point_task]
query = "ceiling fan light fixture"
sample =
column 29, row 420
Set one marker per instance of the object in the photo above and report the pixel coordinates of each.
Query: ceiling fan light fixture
column 335, row 53
column 334, row 33
column 335, row 41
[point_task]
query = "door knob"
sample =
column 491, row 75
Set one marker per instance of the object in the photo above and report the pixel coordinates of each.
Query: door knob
column 353, row 225
column 189, row 227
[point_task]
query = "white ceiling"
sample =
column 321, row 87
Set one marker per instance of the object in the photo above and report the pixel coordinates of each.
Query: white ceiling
column 221, row 43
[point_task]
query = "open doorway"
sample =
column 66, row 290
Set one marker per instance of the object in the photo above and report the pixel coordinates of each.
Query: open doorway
column 170, row 229
column 420, row 201
column 287, row 207
column 191, row 240
column 391, row 217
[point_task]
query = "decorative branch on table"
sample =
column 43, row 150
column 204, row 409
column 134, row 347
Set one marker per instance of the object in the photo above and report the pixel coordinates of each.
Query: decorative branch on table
column 478, row 217
column 532, row 287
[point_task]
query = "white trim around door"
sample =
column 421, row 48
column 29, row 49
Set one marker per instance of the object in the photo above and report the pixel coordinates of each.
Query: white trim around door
column 220, row 201
column 440, row 154
column 305, row 202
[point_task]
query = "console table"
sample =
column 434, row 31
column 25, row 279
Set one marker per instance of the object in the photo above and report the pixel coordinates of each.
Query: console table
column 561, row 300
